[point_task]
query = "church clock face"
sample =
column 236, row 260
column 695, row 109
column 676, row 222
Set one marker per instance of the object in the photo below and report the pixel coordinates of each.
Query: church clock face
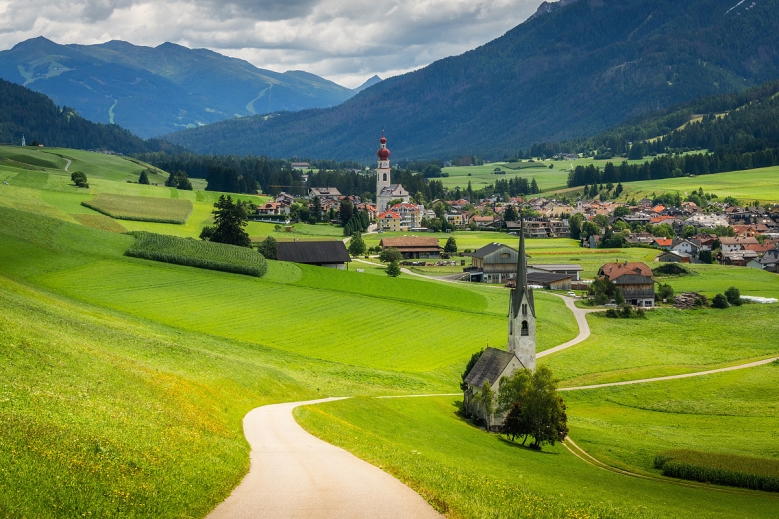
column 383, row 164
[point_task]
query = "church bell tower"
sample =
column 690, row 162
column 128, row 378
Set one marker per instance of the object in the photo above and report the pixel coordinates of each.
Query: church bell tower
column 383, row 178
column 522, row 313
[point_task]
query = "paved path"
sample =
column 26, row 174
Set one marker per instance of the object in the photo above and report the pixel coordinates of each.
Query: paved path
column 295, row 475
column 581, row 320
column 673, row 377
column 68, row 164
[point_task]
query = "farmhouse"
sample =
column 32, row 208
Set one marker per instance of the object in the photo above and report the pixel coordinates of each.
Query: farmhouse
column 331, row 254
column 570, row 269
column 674, row 256
column 635, row 281
column 413, row 247
column 494, row 364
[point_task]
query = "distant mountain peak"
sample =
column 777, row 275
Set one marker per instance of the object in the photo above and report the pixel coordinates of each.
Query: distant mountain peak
column 548, row 7
column 372, row 81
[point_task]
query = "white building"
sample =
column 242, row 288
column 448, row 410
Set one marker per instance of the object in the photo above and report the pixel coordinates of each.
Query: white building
column 386, row 191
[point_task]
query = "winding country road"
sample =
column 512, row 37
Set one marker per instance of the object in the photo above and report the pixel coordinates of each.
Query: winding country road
column 295, row 475
column 69, row 162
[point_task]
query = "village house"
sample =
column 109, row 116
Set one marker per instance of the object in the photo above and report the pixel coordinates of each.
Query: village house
column 568, row 269
column 662, row 243
column 635, row 281
column 455, row 219
column 691, row 247
column 273, row 208
column 770, row 260
column 413, row 247
column 737, row 258
column 331, row 254
column 410, row 214
column 330, row 193
column 389, row 221
column 738, row 243
column 673, row 256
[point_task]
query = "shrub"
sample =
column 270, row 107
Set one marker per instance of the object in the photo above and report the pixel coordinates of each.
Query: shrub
column 720, row 469
column 719, row 301
column 671, row 269
column 734, row 296
column 393, row 269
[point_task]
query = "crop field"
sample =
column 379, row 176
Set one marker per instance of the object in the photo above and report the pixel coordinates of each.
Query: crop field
column 720, row 469
column 733, row 413
column 466, row 472
column 99, row 221
column 160, row 210
column 197, row 253
column 667, row 342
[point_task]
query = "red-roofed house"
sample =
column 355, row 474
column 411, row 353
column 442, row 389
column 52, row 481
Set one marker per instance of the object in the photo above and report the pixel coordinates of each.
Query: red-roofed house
column 663, row 243
column 389, row 221
column 635, row 281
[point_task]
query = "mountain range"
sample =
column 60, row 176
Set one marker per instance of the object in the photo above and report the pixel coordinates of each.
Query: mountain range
column 152, row 91
column 575, row 68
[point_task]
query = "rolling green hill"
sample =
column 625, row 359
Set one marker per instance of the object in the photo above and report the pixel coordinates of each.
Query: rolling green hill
column 152, row 91
column 575, row 71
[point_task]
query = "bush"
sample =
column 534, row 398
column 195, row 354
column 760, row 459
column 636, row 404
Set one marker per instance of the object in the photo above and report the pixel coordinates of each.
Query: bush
column 734, row 296
column 602, row 299
column 720, row 301
column 268, row 248
column 671, row 269
column 393, row 269
column 720, row 469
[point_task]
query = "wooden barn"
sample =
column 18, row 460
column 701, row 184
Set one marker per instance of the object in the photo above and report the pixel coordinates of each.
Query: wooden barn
column 331, row 254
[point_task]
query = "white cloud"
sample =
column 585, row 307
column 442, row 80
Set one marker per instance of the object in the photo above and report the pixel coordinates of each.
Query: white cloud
column 346, row 41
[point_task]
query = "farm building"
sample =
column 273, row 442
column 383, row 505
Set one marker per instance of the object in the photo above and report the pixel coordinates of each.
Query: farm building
column 413, row 247
column 673, row 256
column 635, row 281
column 330, row 254
column 493, row 263
column 572, row 269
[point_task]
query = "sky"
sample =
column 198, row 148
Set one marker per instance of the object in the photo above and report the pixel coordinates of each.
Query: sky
column 346, row 41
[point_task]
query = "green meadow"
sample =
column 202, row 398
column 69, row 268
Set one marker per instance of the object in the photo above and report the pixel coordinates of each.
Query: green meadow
column 124, row 381
column 465, row 472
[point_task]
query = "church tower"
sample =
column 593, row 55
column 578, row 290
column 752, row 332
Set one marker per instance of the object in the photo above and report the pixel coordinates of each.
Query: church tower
column 522, row 312
column 24, row 143
column 383, row 179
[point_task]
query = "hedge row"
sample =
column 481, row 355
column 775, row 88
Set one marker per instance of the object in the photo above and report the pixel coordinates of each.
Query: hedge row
column 720, row 469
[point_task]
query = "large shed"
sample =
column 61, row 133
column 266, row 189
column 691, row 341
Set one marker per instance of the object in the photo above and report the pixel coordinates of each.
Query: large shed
column 413, row 247
column 332, row 254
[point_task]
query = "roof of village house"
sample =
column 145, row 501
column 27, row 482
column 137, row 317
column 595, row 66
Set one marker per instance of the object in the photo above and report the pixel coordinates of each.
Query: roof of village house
column 559, row 266
column 628, row 268
column 739, row 240
column 313, row 252
column 760, row 249
column 485, row 219
column 544, row 278
column 489, row 367
column 489, row 249
column 324, row 191
column 410, row 242
column 663, row 242
column 389, row 214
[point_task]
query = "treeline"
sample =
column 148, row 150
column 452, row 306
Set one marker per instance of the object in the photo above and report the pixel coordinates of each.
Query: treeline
column 751, row 124
column 670, row 166
column 36, row 117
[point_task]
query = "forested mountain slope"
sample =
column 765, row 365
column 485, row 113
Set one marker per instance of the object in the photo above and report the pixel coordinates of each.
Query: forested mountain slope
column 576, row 70
column 34, row 116
column 158, row 90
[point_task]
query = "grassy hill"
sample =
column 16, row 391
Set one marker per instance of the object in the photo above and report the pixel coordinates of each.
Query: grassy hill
column 125, row 380
column 152, row 91
column 573, row 72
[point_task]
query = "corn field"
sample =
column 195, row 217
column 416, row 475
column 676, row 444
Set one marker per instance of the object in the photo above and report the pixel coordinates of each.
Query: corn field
column 720, row 469
column 141, row 208
column 195, row 253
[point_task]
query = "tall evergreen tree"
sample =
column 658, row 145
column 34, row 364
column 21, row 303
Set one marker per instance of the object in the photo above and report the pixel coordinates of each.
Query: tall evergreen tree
column 230, row 218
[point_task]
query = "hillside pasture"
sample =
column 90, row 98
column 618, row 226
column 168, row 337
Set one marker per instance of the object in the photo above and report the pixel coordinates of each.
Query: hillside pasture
column 197, row 253
column 667, row 342
column 465, row 472
column 732, row 413
column 159, row 210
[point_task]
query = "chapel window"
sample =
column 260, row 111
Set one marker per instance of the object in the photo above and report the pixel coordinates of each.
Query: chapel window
column 525, row 331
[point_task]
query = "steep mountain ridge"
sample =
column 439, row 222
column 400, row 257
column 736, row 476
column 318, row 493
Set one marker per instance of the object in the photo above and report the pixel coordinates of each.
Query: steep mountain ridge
column 155, row 90
column 34, row 116
column 576, row 70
